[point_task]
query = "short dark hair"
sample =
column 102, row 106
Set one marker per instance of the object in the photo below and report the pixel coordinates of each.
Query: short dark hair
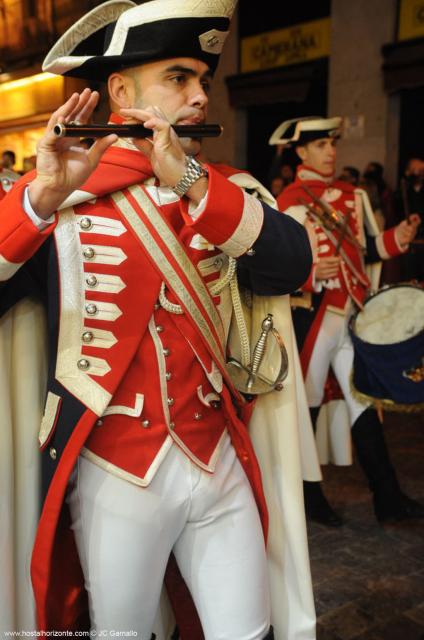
column 354, row 172
column 11, row 155
column 377, row 168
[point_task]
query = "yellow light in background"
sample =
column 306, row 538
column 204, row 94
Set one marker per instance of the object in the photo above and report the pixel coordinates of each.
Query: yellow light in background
column 23, row 143
column 25, row 82
column 37, row 94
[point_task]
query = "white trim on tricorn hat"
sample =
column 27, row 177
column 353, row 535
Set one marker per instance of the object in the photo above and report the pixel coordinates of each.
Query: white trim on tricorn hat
column 303, row 130
column 60, row 59
column 119, row 34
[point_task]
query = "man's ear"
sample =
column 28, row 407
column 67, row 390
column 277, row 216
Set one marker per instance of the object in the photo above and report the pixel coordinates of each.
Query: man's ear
column 121, row 90
column 301, row 152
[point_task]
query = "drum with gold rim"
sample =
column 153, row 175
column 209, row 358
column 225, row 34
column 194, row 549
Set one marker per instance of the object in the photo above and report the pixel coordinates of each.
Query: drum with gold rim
column 388, row 340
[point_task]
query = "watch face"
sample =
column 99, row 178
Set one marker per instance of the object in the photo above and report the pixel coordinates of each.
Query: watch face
column 200, row 168
column 193, row 172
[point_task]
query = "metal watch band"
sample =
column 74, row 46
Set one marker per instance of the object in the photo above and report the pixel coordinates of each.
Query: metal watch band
column 194, row 171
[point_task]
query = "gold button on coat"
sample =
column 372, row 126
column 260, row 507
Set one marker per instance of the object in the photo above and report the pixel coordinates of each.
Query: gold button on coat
column 53, row 453
column 89, row 253
column 91, row 280
column 87, row 336
column 91, row 309
column 83, row 364
column 85, row 223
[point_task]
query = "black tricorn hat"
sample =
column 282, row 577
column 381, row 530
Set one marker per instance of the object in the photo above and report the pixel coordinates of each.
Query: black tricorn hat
column 120, row 34
column 300, row 131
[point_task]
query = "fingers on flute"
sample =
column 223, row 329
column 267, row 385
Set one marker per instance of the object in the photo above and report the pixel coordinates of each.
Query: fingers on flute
column 85, row 106
column 60, row 114
column 81, row 104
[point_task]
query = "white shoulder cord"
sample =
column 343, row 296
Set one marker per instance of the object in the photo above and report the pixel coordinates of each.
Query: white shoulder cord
column 165, row 304
column 215, row 288
column 219, row 285
column 229, row 278
column 241, row 322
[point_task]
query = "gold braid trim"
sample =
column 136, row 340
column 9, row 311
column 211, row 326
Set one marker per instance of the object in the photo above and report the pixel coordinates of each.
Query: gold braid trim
column 385, row 403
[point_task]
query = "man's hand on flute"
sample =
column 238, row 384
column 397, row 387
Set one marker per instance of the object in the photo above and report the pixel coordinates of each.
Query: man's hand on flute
column 164, row 150
column 63, row 165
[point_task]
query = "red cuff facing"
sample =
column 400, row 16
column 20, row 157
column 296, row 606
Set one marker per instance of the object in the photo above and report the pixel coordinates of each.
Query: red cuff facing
column 231, row 220
column 19, row 237
column 223, row 210
column 387, row 244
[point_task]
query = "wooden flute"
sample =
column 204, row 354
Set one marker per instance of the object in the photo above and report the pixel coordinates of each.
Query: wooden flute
column 74, row 130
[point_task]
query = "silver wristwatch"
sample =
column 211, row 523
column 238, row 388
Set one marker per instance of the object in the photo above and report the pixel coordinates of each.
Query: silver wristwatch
column 194, row 171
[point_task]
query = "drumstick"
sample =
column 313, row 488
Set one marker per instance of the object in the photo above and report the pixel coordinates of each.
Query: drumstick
column 336, row 218
column 331, row 224
column 321, row 203
column 313, row 216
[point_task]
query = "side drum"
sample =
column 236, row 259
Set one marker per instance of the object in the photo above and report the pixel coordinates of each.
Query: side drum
column 388, row 340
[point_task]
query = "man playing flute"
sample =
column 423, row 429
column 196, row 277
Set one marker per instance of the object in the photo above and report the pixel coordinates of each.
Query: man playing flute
column 144, row 450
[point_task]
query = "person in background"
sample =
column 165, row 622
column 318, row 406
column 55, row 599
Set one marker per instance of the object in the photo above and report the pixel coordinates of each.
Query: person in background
column 351, row 175
column 8, row 160
column 374, row 171
column 29, row 163
column 277, row 185
column 287, row 174
column 282, row 179
column 337, row 285
column 7, row 175
column 369, row 185
column 409, row 199
column 280, row 173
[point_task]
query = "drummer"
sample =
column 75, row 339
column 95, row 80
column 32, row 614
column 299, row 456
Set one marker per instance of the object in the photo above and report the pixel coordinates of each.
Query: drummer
column 344, row 237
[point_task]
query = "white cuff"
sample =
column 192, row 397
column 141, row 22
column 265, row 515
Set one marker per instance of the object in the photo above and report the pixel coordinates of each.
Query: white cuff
column 402, row 247
column 196, row 211
column 40, row 223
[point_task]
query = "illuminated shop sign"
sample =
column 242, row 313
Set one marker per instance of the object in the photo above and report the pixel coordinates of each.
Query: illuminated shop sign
column 300, row 43
column 411, row 19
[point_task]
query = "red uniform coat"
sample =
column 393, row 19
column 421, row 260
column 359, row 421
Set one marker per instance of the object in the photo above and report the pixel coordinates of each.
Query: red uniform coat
column 90, row 374
column 352, row 282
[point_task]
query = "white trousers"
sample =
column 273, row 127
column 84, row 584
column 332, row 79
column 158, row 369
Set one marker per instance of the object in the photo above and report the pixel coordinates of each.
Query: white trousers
column 125, row 533
column 333, row 347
